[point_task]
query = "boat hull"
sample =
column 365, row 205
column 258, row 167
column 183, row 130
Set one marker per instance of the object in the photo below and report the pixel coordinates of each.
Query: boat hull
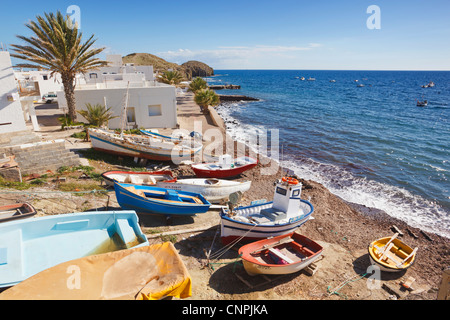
column 305, row 251
column 233, row 229
column 201, row 171
column 395, row 255
column 108, row 143
column 158, row 265
column 131, row 201
column 214, row 193
column 30, row 246
column 16, row 211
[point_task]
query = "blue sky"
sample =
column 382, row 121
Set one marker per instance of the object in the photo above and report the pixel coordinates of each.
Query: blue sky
column 250, row 34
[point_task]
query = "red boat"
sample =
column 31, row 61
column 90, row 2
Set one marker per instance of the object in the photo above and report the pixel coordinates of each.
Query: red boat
column 225, row 168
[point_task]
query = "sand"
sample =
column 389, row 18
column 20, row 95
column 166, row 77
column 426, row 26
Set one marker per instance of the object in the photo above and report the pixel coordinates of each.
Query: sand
column 344, row 230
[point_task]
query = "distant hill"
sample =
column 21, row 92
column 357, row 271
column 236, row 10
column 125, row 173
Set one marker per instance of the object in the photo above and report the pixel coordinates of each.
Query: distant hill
column 198, row 69
column 189, row 69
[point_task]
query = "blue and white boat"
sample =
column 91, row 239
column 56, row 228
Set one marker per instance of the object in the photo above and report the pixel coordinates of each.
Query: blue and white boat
column 30, row 246
column 284, row 215
column 153, row 200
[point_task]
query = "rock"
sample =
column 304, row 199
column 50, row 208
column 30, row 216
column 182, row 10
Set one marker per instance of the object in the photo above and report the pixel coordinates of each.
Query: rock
column 197, row 69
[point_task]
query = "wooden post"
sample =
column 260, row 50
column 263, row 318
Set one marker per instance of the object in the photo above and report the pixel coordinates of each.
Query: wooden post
column 445, row 286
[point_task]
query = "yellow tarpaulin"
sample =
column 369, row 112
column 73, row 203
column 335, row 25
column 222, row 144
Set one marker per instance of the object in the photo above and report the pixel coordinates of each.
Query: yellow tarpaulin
column 146, row 273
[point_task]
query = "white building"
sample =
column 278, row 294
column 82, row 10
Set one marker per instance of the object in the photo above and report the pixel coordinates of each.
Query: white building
column 150, row 104
column 11, row 114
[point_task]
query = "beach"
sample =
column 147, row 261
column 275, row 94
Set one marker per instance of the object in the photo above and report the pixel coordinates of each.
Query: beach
column 345, row 230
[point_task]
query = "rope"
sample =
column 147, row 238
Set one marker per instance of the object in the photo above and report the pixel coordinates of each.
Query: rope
column 336, row 290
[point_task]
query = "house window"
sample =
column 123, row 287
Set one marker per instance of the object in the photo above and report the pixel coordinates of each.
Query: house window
column 131, row 115
column 154, row 110
column 93, row 76
column 45, row 77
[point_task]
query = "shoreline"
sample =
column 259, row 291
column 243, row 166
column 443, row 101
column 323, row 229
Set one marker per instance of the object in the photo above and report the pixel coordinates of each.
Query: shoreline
column 362, row 225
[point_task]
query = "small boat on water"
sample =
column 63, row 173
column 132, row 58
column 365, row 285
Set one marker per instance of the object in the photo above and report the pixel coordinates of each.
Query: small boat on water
column 285, row 254
column 30, row 246
column 360, row 85
column 302, row 78
column 258, row 221
column 429, row 85
column 157, row 273
column 142, row 146
column 140, row 178
column 311, row 79
column 212, row 189
column 16, row 211
column 391, row 254
column 332, row 81
column 153, row 200
column 226, row 167
column 423, row 103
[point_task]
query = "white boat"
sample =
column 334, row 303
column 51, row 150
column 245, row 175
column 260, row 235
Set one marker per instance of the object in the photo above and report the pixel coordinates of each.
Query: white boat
column 311, row 79
column 284, row 215
column 212, row 189
column 142, row 146
column 139, row 178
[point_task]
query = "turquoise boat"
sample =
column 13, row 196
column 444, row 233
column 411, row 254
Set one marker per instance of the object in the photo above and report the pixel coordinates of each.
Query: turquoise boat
column 30, row 246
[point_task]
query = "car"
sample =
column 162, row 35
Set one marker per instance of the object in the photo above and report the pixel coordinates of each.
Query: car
column 49, row 97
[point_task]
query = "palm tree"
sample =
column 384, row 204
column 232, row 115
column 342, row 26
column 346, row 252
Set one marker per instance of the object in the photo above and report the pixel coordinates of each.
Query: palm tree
column 97, row 115
column 171, row 77
column 197, row 84
column 205, row 98
column 56, row 45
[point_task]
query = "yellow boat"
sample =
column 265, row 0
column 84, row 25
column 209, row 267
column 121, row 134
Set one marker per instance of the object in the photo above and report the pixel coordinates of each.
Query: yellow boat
column 391, row 254
column 146, row 273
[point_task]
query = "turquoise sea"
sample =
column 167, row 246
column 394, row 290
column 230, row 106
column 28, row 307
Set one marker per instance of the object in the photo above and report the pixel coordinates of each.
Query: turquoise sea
column 370, row 145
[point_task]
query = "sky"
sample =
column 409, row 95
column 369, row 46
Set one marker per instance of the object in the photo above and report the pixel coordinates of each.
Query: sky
column 260, row 34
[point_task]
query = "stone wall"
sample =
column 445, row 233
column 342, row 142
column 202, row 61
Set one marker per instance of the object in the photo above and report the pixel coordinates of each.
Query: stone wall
column 42, row 156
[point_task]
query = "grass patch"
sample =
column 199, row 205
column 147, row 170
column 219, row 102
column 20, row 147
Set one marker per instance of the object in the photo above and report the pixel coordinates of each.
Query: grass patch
column 95, row 155
column 14, row 185
column 81, row 187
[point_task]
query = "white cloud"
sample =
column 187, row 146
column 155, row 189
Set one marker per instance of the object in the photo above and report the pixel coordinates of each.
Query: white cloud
column 259, row 56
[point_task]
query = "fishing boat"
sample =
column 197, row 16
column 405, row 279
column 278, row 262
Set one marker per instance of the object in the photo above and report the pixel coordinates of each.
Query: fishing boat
column 157, row 273
column 302, row 78
column 280, row 255
column 16, row 211
column 140, row 146
column 311, row 79
column 283, row 215
column 157, row 135
column 154, row 200
column 30, row 246
column 391, row 255
column 423, row 103
column 212, row 189
column 360, row 85
column 226, row 167
column 141, row 178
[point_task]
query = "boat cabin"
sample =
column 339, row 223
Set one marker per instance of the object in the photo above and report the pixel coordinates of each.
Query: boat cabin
column 286, row 200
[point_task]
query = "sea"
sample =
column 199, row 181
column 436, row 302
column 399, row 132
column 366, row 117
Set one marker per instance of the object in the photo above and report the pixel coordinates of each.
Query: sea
column 368, row 144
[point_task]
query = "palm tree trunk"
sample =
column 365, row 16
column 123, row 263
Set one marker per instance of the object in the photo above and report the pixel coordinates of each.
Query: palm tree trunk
column 69, row 92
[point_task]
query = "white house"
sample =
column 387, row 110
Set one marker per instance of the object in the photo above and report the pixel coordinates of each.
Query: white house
column 150, row 104
column 11, row 114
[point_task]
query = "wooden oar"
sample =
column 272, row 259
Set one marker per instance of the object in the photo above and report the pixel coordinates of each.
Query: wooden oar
column 407, row 258
column 386, row 247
